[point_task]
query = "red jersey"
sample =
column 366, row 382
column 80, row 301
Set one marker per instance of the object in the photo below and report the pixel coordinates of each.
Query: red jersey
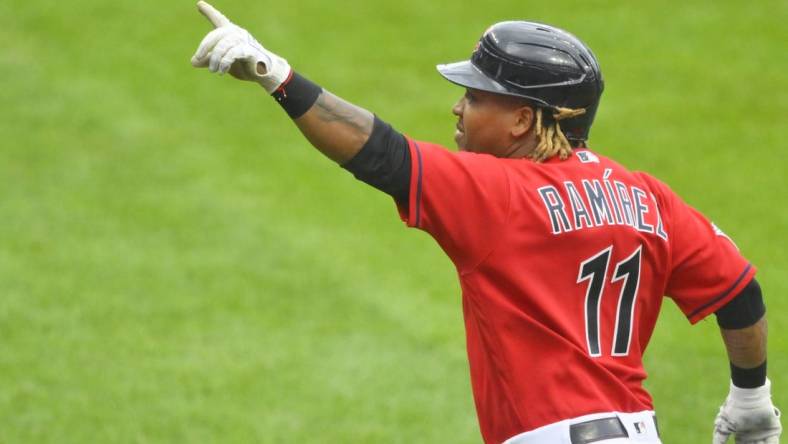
column 563, row 266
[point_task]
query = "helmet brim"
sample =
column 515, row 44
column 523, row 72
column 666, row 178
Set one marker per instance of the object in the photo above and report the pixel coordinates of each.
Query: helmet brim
column 468, row 75
column 465, row 74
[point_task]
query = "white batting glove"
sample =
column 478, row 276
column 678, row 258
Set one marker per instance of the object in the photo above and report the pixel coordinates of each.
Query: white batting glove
column 749, row 415
column 230, row 48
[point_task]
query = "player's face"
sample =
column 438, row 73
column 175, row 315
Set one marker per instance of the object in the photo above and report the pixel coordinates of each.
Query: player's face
column 485, row 122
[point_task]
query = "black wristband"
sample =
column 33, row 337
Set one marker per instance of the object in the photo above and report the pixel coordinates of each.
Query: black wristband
column 748, row 377
column 296, row 95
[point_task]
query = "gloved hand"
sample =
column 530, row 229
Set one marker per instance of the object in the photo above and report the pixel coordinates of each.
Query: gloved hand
column 749, row 415
column 230, row 48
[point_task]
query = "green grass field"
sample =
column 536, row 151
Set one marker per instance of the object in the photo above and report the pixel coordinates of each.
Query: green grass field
column 178, row 265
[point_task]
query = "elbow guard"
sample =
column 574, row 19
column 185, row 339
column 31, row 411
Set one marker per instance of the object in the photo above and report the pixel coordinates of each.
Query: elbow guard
column 744, row 310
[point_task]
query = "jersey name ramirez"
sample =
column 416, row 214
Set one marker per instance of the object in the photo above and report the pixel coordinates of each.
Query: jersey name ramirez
column 597, row 202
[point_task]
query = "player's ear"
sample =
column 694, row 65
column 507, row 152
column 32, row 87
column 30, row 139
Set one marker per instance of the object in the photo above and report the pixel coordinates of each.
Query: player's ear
column 523, row 122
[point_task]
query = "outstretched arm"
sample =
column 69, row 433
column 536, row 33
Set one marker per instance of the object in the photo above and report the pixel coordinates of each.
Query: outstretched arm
column 335, row 127
column 347, row 134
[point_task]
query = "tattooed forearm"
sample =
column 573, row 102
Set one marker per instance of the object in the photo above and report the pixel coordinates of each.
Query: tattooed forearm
column 747, row 346
column 336, row 127
column 331, row 108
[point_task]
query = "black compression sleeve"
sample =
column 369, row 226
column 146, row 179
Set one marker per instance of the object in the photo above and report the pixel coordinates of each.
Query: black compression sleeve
column 744, row 310
column 384, row 162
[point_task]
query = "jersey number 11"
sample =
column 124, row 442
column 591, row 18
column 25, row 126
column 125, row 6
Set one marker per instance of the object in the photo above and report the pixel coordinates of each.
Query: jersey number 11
column 594, row 269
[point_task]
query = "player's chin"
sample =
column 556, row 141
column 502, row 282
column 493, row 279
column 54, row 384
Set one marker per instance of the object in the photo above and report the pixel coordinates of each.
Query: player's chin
column 459, row 139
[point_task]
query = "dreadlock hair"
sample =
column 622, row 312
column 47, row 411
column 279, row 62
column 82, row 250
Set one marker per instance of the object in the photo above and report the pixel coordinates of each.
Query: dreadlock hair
column 551, row 139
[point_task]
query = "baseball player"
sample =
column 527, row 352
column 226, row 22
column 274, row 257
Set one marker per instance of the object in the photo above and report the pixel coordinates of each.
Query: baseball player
column 562, row 254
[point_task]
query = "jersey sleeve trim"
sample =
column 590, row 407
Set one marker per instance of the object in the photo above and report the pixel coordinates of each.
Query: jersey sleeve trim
column 411, row 214
column 418, row 184
column 714, row 304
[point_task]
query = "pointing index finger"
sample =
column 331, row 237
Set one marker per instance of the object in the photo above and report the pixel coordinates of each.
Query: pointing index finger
column 212, row 14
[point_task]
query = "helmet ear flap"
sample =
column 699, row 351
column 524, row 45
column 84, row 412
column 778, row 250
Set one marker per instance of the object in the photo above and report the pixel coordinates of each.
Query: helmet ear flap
column 577, row 128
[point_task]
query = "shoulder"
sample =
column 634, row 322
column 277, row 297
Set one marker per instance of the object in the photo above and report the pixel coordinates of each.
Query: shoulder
column 654, row 185
column 432, row 157
column 661, row 191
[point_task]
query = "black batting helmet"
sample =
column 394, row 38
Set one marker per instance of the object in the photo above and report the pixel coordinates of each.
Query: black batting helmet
column 545, row 65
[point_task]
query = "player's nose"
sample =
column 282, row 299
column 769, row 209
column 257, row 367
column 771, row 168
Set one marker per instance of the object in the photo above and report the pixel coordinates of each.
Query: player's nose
column 458, row 107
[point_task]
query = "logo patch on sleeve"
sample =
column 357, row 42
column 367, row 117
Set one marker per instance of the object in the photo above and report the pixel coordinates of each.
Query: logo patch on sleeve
column 721, row 233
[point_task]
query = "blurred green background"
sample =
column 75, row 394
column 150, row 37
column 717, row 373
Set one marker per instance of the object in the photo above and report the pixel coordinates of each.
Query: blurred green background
column 178, row 265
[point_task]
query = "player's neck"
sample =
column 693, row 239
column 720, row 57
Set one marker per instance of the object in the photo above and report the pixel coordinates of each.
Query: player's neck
column 521, row 147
